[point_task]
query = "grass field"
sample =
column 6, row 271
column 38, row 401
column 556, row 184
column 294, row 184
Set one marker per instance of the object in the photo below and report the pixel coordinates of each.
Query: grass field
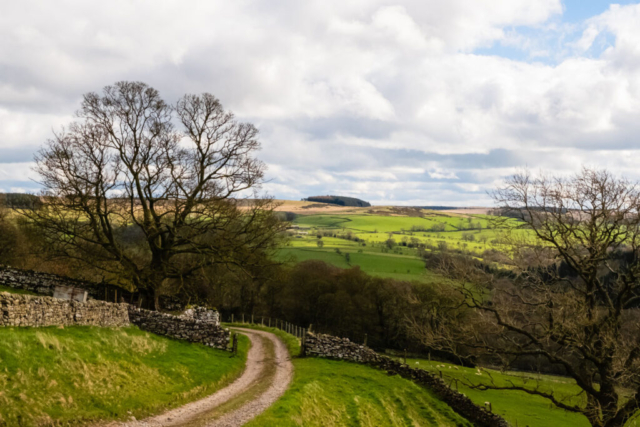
column 517, row 407
column 77, row 375
column 358, row 238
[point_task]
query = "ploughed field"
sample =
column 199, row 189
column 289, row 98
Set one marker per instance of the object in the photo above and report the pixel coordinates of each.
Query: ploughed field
column 385, row 241
column 80, row 374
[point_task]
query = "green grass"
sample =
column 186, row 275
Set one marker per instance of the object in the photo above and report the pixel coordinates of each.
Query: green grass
column 78, row 375
column 15, row 291
column 515, row 406
column 374, row 257
column 333, row 393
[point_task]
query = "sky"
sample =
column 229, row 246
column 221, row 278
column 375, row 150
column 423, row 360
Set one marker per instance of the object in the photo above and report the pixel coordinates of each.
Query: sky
column 416, row 102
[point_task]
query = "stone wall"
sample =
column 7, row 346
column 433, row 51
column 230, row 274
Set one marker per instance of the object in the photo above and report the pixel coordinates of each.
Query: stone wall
column 45, row 283
column 36, row 311
column 42, row 283
column 328, row 346
column 208, row 332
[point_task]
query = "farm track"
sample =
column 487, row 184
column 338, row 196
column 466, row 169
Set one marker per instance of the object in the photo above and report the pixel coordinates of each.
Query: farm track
column 266, row 377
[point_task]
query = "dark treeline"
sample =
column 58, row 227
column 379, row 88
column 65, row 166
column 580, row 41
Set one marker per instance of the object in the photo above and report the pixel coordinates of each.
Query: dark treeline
column 20, row 200
column 339, row 200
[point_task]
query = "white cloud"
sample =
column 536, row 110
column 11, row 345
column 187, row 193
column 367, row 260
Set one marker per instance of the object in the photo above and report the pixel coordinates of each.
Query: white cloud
column 378, row 98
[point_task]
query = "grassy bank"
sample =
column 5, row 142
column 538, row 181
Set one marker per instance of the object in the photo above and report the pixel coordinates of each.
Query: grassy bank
column 332, row 393
column 15, row 291
column 517, row 407
column 70, row 376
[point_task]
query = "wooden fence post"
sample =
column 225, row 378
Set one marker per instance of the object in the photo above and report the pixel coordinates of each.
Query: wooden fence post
column 234, row 345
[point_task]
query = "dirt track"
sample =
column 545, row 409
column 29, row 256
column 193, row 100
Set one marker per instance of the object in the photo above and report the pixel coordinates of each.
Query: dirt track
column 266, row 377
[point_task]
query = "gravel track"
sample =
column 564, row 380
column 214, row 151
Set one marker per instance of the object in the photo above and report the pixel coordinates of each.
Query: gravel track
column 266, row 377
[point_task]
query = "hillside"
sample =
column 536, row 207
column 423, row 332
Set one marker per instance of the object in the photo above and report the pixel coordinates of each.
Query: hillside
column 388, row 241
column 70, row 376
column 328, row 393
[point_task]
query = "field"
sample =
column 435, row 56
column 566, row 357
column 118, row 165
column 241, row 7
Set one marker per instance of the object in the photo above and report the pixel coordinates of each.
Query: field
column 519, row 408
column 386, row 241
column 75, row 375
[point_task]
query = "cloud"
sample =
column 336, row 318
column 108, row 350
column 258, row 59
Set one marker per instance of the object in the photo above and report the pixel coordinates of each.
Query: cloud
column 391, row 101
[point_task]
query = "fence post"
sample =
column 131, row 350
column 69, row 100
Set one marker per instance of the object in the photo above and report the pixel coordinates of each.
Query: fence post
column 242, row 317
column 231, row 317
column 269, row 321
column 262, row 320
column 234, row 345
column 365, row 339
column 252, row 318
column 405, row 358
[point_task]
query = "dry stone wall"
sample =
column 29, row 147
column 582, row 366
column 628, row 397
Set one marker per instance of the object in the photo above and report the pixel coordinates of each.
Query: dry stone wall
column 45, row 284
column 321, row 345
column 36, row 311
column 208, row 332
column 42, row 283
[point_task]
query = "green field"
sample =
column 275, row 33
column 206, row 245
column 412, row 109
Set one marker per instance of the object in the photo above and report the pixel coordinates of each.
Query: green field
column 363, row 237
column 78, row 375
column 517, row 407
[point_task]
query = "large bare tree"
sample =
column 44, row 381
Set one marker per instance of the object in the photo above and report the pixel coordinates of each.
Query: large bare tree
column 152, row 193
column 569, row 301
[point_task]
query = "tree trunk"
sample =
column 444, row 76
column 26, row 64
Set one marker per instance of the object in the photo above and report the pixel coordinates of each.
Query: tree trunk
column 156, row 299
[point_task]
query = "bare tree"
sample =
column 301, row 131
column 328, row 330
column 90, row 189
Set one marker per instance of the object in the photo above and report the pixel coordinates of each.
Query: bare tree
column 145, row 203
column 571, row 301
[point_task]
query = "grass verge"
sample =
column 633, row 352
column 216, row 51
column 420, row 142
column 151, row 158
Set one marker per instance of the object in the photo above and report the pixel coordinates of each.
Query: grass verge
column 331, row 393
column 81, row 374
column 16, row 291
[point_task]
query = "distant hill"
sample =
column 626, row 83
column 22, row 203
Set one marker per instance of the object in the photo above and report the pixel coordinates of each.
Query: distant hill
column 339, row 200
column 437, row 208
column 20, row 201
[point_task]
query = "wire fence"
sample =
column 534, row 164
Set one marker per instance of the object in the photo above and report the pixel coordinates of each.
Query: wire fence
column 269, row 322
